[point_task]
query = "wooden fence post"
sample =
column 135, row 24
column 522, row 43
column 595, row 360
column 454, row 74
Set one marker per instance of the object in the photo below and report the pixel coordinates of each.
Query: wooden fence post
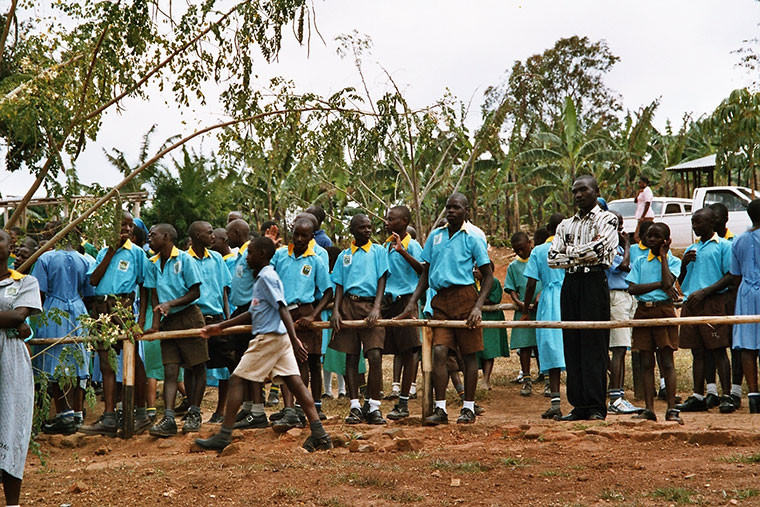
column 128, row 391
column 427, row 371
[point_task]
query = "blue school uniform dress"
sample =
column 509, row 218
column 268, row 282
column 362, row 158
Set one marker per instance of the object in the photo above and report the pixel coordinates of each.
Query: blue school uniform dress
column 551, row 352
column 515, row 281
column 242, row 281
column 62, row 276
column 451, row 258
column 649, row 270
column 745, row 261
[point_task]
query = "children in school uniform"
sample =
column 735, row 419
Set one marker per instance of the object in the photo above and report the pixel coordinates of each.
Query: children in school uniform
column 304, row 275
column 360, row 279
column 404, row 267
column 549, row 341
column 523, row 339
column 639, row 249
column 705, row 278
column 116, row 273
column 175, row 280
column 745, row 263
column 495, row 340
column 449, row 255
column 272, row 353
column 650, row 281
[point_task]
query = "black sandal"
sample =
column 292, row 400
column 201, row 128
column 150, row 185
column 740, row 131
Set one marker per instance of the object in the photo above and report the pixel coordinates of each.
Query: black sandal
column 673, row 414
column 646, row 414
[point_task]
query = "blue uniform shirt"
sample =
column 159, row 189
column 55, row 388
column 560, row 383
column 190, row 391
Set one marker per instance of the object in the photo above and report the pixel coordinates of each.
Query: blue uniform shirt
column 322, row 239
column 265, row 303
column 173, row 281
column 615, row 277
column 402, row 278
column 229, row 261
column 538, row 267
column 649, row 270
column 216, row 277
column 451, row 259
column 359, row 268
column 242, row 279
column 124, row 272
column 638, row 250
column 713, row 261
column 302, row 276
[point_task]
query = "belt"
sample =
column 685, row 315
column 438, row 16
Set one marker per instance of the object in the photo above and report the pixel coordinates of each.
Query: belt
column 295, row 306
column 113, row 297
column 213, row 318
column 390, row 298
column 585, row 269
column 653, row 304
column 354, row 297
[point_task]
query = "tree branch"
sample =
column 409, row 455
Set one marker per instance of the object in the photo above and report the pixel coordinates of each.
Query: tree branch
column 7, row 28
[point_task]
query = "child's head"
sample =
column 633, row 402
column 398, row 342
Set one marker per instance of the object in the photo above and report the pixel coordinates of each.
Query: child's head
column 620, row 220
column 411, row 231
column 202, row 233
column 266, row 225
column 540, row 236
column 22, row 254
column 703, row 222
column 260, row 252
column 161, row 235
column 397, row 219
column 643, row 182
column 361, row 229
column 753, row 210
column 521, row 244
column 139, row 237
column 318, row 212
column 303, row 231
column 656, row 235
column 554, row 222
column 721, row 215
column 220, row 240
column 5, row 247
column 643, row 228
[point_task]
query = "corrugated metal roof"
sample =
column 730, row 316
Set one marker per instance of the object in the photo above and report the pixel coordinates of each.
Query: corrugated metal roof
column 700, row 163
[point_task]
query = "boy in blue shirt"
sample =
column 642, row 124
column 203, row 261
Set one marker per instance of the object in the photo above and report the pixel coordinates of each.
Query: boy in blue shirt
column 115, row 275
column 213, row 302
column 651, row 280
column 271, row 353
column 360, row 276
column 449, row 255
column 404, row 268
column 176, row 282
column 705, row 277
column 304, row 275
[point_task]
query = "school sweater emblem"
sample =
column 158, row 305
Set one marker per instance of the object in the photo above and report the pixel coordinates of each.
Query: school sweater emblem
column 347, row 260
column 305, row 270
column 177, row 267
column 123, row 265
column 11, row 291
column 438, row 239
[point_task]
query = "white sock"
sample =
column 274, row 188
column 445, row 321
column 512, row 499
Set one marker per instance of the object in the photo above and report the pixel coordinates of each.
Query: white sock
column 257, row 408
column 736, row 390
column 341, row 384
column 413, row 388
column 698, row 396
column 470, row 405
column 373, row 405
column 662, row 382
column 327, row 381
column 396, row 386
column 712, row 389
column 441, row 404
column 355, row 404
column 247, row 405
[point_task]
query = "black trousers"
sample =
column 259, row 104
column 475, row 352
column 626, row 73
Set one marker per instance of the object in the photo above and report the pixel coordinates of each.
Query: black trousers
column 586, row 296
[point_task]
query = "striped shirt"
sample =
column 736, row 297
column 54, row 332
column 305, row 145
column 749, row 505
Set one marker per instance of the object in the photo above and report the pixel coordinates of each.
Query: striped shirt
column 585, row 240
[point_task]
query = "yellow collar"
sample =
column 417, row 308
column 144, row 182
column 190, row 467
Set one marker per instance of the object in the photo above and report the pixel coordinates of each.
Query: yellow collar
column 15, row 275
column 175, row 253
column 520, row 259
column 651, row 256
column 231, row 254
column 366, row 247
column 641, row 246
column 729, row 234
column 404, row 242
column 127, row 245
column 193, row 254
column 12, row 256
column 714, row 237
column 549, row 239
column 309, row 249
column 243, row 248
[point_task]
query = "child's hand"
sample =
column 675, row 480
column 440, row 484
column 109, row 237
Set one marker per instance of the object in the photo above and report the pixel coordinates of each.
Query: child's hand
column 304, row 322
column 696, row 298
column 665, row 248
column 302, row 355
column 162, row 309
column 211, row 330
column 521, row 306
column 374, row 314
column 690, row 256
column 407, row 313
column 474, row 318
column 397, row 243
column 150, row 331
column 24, row 331
column 336, row 320
column 273, row 233
column 525, row 316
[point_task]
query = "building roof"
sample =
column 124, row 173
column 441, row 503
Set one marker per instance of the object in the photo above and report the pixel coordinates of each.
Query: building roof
column 707, row 162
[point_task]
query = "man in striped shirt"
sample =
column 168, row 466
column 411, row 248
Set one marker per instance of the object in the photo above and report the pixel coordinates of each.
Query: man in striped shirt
column 584, row 246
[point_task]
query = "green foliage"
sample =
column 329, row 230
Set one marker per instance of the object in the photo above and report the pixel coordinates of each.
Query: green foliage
column 676, row 495
column 737, row 125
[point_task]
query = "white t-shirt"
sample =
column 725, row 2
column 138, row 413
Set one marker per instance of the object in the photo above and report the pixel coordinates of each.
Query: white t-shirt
column 645, row 196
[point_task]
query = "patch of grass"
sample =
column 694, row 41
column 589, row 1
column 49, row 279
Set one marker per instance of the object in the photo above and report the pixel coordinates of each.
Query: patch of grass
column 287, row 493
column 743, row 494
column 577, row 468
column 356, row 479
column 741, row 458
column 580, row 427
column 610, row 495
column 329, row 502
column 403, row 497
column 414, row 455
column 676, row 495
column 468, row 467
column 515, row 462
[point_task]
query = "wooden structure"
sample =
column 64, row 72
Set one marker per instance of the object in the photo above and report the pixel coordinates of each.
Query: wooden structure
column 694, row 174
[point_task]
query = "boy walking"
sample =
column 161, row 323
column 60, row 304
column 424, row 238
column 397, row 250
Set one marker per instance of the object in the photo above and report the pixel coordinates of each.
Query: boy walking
column 360, row 277
column 271, row 353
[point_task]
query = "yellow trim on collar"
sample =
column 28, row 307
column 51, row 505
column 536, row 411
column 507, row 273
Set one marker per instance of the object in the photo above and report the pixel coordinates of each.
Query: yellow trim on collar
column 651, row 257
column 366, row 247
column 243, row 248
column 309, row 249
column 231, row 254
column 729, row 234
column 404, row 242
column 193, row 254
column 549, row 239
column 714, row 237
column 16, row 275
column 127, row 245
column 175, row 253
column 642, row 247
column 520, row 259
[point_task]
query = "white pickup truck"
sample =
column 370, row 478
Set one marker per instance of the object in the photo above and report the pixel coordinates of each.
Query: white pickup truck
column 676, row 212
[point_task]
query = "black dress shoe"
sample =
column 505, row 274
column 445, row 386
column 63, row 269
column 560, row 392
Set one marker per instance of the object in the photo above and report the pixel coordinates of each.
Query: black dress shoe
column 375, row 417
column 692, row 404
column 727, row 405
column 355, row 416
column 439, row 417
column 572, row 416
column 596, row 416
column 466, row 416
column 712, row 401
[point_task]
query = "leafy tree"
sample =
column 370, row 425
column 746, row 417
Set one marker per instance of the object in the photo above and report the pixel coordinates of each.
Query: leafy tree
column 737, row 125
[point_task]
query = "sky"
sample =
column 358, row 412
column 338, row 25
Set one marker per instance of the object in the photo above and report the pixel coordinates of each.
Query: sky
column 681, row 52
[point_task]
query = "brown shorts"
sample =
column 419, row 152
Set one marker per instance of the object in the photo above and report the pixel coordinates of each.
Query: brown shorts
column 455, row 303
column 311, row 338
column 239, row 342
column 399, row 339
column 706, row 336
column 186, row 352
column 107, row 305
column 351, row 341
column 655, row 338
column 221, row 348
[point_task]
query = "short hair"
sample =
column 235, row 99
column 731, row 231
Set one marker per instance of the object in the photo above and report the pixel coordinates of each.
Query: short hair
column 590, row 179
column 18, row 230
column 239, row 224
column 518, row 237
column 318, row 212
column 643, row 178
column 461, row 196
column 753, row 210
column 554, row 222
column 405, row 213
column 644, row 227
column 263, row 244
column 167, row 229
column 662, row 227
column 4, row 235
column 193, row 229
column 356, row 218
column 707, row 210
column 411, row 231
column 540, row 236
column 304, row 221
column 720, row 210
column 266, row 224
column 140, row 236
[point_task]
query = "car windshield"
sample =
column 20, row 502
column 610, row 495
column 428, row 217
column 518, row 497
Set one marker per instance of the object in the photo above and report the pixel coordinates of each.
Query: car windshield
column 628, row 208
